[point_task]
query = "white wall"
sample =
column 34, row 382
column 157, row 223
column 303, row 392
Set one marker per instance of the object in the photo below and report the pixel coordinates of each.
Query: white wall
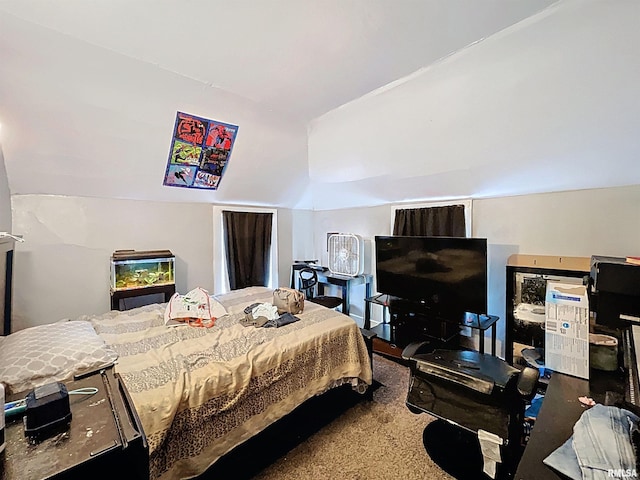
column 5, row 226
column 549, row 104
column 104, row 124
column 602, row 221
column 303, row 234
column 5, row 197
column 285, row 246
column 62, row 268
column 573, row 223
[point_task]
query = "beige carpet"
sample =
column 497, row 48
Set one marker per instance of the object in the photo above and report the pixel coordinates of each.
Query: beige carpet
column 378, row 440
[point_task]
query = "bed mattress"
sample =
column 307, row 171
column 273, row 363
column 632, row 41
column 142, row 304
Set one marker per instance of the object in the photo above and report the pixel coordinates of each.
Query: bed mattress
column 200, row 392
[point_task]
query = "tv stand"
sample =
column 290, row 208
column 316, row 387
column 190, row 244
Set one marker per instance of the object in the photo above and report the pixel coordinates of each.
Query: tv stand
column 414, row 321
column 410, row 322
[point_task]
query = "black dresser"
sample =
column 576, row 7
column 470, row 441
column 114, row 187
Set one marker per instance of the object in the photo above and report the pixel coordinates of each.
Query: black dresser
column 104, row 439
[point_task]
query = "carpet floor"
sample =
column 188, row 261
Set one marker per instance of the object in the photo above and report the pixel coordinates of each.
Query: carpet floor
column 372, row 440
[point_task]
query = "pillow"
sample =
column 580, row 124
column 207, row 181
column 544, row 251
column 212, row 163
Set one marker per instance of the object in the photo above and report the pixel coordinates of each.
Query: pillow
column 38, row 355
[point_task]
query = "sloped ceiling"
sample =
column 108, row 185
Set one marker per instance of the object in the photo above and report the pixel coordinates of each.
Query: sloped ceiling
column 549, row 104
column 89, row 90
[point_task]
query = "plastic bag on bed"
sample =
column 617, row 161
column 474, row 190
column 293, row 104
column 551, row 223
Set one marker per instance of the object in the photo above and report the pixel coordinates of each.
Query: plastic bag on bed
column 195, row 308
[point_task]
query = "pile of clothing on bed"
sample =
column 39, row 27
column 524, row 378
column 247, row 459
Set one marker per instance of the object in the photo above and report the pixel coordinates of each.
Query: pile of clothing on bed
column 198, row 309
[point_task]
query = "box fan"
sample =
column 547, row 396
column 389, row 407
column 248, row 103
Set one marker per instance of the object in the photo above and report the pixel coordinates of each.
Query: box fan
column 346, row 255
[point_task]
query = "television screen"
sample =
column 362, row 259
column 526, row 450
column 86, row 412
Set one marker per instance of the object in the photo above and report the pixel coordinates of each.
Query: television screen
column 446, row 274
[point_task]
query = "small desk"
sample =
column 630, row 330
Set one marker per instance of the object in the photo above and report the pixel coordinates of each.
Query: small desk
column 345, row 282
column 559, row 412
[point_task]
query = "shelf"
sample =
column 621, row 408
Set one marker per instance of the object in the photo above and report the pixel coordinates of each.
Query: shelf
column 383, row 331
column 479, row 322
column 550, row 262
column 413, row 321
column 382, row 299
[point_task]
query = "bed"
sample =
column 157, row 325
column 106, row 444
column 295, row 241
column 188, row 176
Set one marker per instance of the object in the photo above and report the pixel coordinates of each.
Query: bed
column 200, row 392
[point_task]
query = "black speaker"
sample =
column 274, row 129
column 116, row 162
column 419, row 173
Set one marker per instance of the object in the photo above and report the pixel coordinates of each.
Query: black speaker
column 615, row 290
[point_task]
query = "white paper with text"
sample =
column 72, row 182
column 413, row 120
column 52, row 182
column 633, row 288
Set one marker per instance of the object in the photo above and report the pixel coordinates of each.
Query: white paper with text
column 566, row 348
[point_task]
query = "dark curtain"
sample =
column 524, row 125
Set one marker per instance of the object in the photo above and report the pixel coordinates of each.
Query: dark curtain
column 247, row 241
column 445, row 221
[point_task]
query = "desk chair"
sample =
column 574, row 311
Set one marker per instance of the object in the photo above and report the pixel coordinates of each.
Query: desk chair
column 308, row 284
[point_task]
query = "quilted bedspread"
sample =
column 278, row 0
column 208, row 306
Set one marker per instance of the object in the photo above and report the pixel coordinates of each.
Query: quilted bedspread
column 200, row 392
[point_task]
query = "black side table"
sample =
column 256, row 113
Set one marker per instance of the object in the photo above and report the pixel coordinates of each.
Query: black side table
column 103, row 440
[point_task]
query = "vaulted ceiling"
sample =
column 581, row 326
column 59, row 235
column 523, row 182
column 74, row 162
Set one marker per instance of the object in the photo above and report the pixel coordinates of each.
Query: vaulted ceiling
column 89, row 90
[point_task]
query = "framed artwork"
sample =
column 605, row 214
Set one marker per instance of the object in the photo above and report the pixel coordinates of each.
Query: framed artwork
column 199, row 153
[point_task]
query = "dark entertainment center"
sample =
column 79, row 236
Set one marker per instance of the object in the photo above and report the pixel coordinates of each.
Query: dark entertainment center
column 430, row 287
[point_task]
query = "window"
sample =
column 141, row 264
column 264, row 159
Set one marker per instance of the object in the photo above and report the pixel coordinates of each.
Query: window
column 467, row 204
column 220, row 274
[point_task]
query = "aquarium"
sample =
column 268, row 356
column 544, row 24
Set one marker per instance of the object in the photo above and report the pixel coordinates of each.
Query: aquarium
column 131, row 269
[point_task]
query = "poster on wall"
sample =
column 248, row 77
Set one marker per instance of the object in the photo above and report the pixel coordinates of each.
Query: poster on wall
column 199, row 153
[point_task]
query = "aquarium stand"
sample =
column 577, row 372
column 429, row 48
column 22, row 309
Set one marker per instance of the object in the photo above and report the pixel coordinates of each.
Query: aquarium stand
column 116, row 297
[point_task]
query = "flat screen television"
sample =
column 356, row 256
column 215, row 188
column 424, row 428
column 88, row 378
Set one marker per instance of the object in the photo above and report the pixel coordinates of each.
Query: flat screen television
column 447, row 275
